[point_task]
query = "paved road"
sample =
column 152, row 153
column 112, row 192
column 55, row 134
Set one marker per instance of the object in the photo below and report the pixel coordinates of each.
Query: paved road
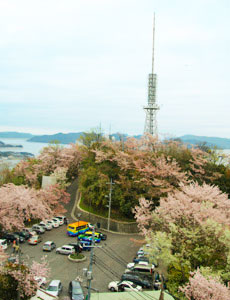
column 106, row 268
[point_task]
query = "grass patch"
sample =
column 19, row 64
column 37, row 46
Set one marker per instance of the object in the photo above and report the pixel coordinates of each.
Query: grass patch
column 115, row 215
column 77, row 256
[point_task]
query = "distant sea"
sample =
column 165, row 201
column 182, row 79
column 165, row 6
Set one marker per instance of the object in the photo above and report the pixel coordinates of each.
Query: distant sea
column 31, row 147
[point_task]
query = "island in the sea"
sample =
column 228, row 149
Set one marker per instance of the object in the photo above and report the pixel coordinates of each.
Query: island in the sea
column 13, row 154
column 3, row 145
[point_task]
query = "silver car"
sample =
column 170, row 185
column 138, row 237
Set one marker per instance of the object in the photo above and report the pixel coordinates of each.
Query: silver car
column 46, row 226
column 65, row 249
column 38, row 229
column 54, row 288
column 49, row 246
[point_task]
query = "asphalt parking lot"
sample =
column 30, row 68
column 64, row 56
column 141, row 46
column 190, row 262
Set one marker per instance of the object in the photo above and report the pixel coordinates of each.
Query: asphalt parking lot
column 110, row 259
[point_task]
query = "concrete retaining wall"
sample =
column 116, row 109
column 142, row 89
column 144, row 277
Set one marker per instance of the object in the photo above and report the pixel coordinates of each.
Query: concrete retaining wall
column 116, row 226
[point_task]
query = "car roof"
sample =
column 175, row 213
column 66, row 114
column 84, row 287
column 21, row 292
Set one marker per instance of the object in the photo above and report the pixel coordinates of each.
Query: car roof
column 55, row 282
column 48, row 242
column 126, row 281
column 67, row 246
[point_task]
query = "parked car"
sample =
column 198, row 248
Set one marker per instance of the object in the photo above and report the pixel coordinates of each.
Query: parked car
column 46, row 226
column 55, row 288
column 30, row 231
column 62, row 219
column 77, row 247
column 10, row 237
column 34, row 240
column 51, row 222
column 41, row 281
column 140, row 262
column 3, row 244
column 140, row 258
column 121, row 286
column 139, row 280
column 141, row 252
column 24, row 234
column 49, row 246
column 38, row 229
column 102, row 236
column 86, row 245
column 65, row 249
column 87, row 236
column 146, row 270
column 75, row 290
column 55, row 223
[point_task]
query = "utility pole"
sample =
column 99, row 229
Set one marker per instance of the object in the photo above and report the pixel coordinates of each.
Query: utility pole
column 89, row 271
column 110, row 200
column 19, row 264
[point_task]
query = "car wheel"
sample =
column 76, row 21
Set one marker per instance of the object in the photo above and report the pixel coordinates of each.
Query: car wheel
column 112, row 289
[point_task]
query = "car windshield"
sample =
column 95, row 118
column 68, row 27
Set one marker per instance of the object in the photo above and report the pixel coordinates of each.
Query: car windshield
column 52, row 288
column 134, row 285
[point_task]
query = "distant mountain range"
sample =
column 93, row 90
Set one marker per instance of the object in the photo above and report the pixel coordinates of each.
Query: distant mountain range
column 66, row 138
column 221, row 143
column 62, row 138
column 15, row 135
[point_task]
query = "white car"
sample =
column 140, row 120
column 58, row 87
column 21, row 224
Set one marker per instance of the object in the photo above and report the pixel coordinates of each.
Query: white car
column 34, row 240
column 3, row 244
column 130, row 265
column 41, row 281
column 65, row 249
column 39, row 229
column 61, row 219
column 30, row 231
column 127, row 286
column 56, row 221
column 54, row 288
column 52, row 223
column 46, row 226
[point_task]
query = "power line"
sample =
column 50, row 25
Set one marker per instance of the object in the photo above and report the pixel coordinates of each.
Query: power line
column 119, row 257
column 113, row 257
column 101, row 265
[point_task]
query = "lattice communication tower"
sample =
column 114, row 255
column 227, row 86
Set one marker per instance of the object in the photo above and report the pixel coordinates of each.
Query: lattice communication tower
column 152, row 107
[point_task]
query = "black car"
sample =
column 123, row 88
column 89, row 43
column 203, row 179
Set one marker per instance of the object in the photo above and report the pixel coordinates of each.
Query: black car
column 77, row 247
column 140, row 258
column 75, row 290
column 138, row 280
column 24, row 234
column 10, row 237
column 102, row 236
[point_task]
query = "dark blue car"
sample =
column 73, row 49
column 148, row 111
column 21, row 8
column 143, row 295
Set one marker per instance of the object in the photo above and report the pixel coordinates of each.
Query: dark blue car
column 85, row 245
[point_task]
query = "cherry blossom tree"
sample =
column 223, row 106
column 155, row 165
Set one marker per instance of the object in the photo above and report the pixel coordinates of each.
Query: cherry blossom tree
column 24, row 277
column 54, row 197
column 51, row 160
column 201, row 288
column 195, row 220
column 20, row 203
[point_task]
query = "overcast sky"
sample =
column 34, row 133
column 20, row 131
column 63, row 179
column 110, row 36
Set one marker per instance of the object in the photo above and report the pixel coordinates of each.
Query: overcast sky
column 73, row 65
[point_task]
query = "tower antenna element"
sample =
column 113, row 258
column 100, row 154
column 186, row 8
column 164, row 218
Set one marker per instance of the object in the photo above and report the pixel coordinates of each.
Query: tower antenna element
column 152, row 107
